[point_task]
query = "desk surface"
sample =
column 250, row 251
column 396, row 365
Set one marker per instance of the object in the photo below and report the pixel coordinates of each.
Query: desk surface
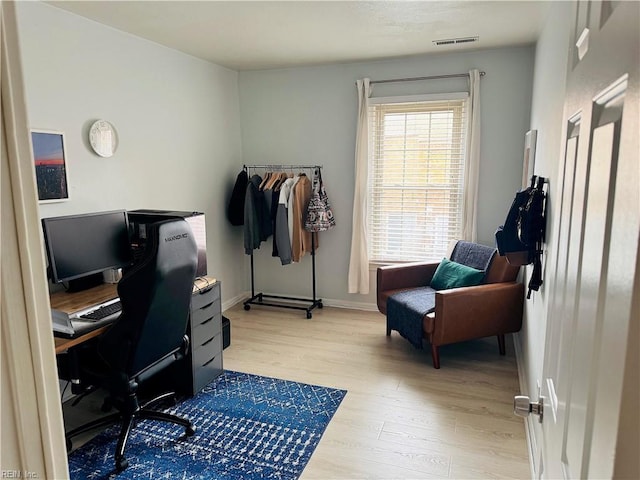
column 74, row 302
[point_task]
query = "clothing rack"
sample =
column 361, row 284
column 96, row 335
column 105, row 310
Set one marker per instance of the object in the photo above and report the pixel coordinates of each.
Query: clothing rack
column 258, row 298
column 282, row 167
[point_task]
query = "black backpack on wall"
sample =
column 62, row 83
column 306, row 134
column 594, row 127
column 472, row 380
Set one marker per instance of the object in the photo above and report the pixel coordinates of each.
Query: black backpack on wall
column 521, row 237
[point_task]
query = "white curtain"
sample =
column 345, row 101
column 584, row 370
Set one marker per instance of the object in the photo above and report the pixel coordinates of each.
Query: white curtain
column 472, row 161
column 359, row 260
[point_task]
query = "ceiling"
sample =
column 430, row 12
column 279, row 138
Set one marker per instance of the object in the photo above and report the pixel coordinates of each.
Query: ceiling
column 252, row 35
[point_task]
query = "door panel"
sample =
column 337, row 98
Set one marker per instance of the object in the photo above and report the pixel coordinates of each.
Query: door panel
column 594, row 265
column 555, row 331
column 613, row 327
column 569, row 181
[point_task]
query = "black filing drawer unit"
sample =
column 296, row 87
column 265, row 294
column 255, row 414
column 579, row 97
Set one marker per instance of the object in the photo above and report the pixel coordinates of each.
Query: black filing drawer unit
column 205, row 332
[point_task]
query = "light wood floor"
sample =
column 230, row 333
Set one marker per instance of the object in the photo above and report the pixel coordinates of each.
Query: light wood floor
column 401, row 418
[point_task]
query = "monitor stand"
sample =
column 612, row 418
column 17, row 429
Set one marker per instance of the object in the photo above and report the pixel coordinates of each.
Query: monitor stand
column 85, row 283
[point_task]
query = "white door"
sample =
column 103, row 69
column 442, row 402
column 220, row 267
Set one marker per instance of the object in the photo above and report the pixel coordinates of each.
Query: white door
column 597, row 245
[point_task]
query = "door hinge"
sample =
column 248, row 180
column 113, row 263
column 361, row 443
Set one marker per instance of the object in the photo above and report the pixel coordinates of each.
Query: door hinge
column 523, row 406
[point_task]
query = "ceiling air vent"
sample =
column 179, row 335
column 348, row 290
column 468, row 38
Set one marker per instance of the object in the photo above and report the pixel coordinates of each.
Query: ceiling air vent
column 455, row 41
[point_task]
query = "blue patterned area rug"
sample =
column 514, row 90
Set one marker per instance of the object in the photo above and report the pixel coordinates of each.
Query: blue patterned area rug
column 247, row 427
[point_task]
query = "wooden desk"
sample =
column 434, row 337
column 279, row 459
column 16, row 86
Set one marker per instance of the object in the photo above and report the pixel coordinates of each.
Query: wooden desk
column 64, row 344
column 74, row 302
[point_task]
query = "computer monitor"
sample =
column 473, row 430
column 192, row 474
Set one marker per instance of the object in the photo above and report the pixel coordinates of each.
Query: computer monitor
column 79, row 246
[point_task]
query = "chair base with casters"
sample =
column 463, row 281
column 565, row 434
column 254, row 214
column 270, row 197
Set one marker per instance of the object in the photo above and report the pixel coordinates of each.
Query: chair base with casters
column 123, row 396
column 493, row 308
column 129, row 411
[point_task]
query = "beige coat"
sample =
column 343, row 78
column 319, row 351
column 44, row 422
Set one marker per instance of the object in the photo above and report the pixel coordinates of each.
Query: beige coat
column 301, row 242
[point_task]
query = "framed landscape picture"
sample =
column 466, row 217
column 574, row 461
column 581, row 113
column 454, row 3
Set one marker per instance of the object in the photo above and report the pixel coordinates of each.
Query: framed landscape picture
column 51, row 166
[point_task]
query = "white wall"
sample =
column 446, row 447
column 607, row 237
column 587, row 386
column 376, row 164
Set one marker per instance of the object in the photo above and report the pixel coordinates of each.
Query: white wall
column 546, row 117
column 177, row 119
column 308, row 116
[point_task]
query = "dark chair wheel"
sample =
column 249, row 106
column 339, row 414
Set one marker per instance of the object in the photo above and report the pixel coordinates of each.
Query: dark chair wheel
column 121, row 464
column 247, row 307
column 190, row 431
column 309, row 314
column 320, row 305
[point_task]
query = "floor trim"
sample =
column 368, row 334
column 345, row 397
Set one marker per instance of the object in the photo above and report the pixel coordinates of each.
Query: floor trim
column 232, row 302
column 528, row 424
column 328, row 302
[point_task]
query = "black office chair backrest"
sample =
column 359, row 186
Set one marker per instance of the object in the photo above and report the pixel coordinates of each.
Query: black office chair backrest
column 156, row 297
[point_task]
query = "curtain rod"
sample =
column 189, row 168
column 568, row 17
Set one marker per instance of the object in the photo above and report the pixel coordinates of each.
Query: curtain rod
column 281, row 167
column 433, row 77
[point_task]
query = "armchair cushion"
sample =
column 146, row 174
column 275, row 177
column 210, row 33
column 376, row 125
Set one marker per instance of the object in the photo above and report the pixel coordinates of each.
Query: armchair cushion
column 451, row 274
column 396, row 278
column 406, row 309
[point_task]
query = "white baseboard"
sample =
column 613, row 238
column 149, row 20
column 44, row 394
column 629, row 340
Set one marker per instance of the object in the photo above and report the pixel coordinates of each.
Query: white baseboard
column 327, row 302
column 524, row 390
column 234, row 301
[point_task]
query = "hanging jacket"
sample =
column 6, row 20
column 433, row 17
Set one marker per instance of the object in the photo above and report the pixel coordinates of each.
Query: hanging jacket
column 296, row 179
column 301, row 242
column 257, row 221
column 274, row 213
column 235, row 209
column 281, row 234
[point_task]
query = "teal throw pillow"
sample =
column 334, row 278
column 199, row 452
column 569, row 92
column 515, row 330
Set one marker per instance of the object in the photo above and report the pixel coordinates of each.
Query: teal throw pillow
column 453, row 275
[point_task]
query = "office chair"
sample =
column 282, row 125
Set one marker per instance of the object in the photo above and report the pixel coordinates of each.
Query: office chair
column 149, row 335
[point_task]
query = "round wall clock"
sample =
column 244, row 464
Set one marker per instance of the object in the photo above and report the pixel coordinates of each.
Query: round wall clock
column 103, row 138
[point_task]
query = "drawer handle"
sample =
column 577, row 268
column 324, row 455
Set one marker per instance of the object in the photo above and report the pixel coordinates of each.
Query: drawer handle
column 208, row 341
column 206, row 306
column 207, row 321
column 205, row 290
column 208, row 362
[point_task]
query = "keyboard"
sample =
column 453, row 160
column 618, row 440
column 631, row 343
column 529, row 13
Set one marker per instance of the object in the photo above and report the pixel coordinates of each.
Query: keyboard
column 103, row 312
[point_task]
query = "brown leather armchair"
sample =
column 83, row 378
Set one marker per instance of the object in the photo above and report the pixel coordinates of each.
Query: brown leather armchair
column 493, row 308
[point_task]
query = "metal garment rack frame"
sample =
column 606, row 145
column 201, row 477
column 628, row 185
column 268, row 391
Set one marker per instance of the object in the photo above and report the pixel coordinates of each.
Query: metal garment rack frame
column 258, row 298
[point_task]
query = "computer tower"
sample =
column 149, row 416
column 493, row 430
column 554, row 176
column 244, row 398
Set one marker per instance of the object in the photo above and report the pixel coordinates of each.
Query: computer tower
column 226, row 332
column 139, row 219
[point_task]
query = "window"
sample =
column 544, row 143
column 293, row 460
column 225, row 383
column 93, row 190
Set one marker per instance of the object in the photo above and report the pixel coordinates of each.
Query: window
column 416, row 173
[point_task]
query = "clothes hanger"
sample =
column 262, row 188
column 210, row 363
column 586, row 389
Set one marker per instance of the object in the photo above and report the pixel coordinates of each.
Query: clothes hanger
column 266, row 178
column 272, row 180
column 277, row 181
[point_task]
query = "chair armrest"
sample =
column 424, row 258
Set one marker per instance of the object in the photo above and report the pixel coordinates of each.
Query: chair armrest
column 480, row 311
column 402, row 276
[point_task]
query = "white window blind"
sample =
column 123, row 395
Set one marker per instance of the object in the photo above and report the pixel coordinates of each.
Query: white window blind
column 416, row 172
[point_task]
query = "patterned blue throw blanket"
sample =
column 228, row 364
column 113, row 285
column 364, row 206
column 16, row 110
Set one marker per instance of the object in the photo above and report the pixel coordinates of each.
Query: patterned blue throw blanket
column 406, row 309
